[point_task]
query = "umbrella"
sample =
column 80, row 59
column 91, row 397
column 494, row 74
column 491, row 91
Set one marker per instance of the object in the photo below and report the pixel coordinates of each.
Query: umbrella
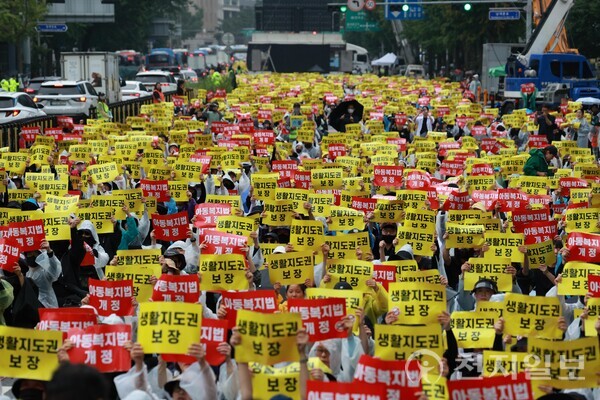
column 342, row 109
column 497, row 72
column 588, row 101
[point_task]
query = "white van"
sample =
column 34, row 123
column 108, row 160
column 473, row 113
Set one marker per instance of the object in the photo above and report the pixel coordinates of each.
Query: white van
column 360, row 58
column 415, row 71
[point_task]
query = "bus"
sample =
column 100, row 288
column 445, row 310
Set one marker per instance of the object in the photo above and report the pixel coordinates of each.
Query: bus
column 181, row 57
column 130, row 62
column 197, row 62
column 159, row 58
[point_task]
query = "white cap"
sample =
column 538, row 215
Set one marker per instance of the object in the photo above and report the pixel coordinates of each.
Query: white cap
column 279, row 250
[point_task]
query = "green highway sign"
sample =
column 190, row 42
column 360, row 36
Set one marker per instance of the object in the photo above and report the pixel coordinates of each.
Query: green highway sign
column 358, row 21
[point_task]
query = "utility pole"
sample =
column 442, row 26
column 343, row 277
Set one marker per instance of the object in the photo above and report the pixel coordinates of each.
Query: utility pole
column 528, row 20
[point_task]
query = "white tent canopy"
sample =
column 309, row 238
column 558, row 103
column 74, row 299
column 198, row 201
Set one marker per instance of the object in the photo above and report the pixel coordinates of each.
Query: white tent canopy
column 385, row 61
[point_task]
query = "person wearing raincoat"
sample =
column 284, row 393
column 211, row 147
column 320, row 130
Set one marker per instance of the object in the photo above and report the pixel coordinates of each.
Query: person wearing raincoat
column 44, row 270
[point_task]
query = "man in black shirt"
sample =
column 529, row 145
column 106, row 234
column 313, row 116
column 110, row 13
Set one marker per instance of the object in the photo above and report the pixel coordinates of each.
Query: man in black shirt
column 547, row 125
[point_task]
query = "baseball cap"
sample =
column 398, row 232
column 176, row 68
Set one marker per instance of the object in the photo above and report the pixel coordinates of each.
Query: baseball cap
column 485, row 284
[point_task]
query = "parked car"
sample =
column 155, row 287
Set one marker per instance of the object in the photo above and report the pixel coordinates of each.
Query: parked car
column 187, row 75
column 35, row 83
column 151, row 78
column 15, row 106
column 73, row 98
column 135, row 90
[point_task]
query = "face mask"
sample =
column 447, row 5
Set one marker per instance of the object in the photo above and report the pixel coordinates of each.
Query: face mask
column 31, row 394
column 350, row 110
column 388, row 239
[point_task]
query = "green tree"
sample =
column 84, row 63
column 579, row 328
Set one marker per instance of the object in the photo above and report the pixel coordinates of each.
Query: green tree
column 191, row 21
column 241, row 20
column 583, row 24
column 18, row 19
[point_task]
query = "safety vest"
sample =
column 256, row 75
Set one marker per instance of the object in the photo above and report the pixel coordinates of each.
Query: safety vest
column 161, row 95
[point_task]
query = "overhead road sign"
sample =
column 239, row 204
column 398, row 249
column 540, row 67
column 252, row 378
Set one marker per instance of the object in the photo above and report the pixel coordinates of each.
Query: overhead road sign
column 504, row 14
column 405, row 10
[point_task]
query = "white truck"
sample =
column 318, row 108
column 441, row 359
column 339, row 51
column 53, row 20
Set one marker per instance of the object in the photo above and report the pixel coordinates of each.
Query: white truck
column 99, row 68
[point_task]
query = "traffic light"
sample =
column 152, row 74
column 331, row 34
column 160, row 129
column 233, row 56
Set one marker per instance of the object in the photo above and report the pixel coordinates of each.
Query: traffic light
column 467, row 7
column 406, row 8
column 396, row 7
column 343, row 9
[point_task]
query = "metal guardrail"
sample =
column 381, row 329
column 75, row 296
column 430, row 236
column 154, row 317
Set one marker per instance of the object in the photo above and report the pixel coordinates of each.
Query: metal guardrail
column 9, row 133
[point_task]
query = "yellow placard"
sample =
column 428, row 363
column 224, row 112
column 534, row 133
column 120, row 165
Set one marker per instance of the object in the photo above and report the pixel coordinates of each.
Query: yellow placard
column 541, row 254
column 535, row 185
column 66, row 204
column 28, row 353
column 291, row 268
column 233, row 200
column 575, row 278
column 56, row 225
column 344, row 246
column 570, row 364
column 139, row 274
column 168, row 327
column 277, row 381
column 583, row 220
column 188, row 171
column 103, row 172
column 100, row 217
column 327, row 178
column 321, row 204
column 267, row 338
column 418, row 230
column 464, row 236
column 506, row 245
column 417, row 304
column 241, row 226
column 138, row 257
column 114, row 202
column 223, row 272
column 307, row 234
column 343, row 218
column 297, row 197
column 474, row 330
column 532, row 316
column 264, row 186
column 489, row 268
column 354, row 272
column 278, row 213
column 403, row 342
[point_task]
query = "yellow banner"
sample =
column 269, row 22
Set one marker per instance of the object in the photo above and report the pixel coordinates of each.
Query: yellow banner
column 489, row 268
column 464, row 236
column 593, row 307
column 139, row 274
column 418, row 230
column 434, row 386
column 114, row 202
column 291, row 268
column 223, row 272
column 103, row 172
column 474, row 330
column 168, row 327
column 39, row 154
column 425, row 276
column 506, row 245
column 354, row 272
column 412, row 198
column 462, row 216
column 28, row 353
column 268, row 338
column 566, row 364
column 532, row 316
column 575, row 278
column 386, row 210
column 417, row 304
column 306, row 234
